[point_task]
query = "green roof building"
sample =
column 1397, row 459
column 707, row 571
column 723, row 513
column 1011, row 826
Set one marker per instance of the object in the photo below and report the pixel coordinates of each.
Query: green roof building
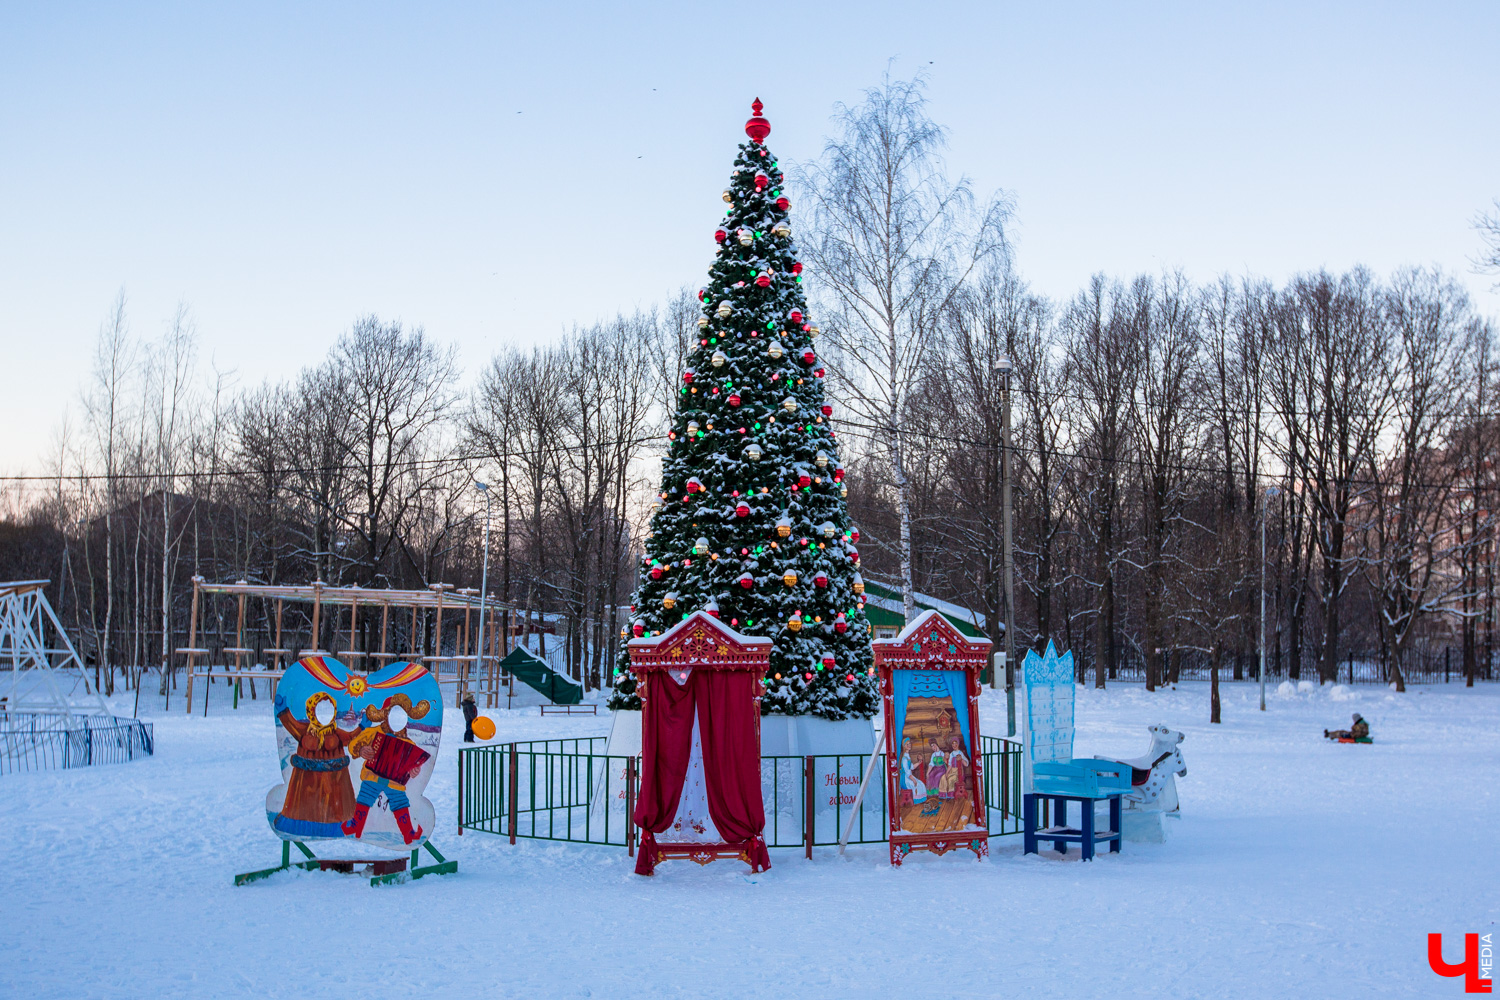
column 884, row 610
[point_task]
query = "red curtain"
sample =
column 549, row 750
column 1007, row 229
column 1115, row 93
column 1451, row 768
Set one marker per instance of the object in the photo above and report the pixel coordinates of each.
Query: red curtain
column 729, row 727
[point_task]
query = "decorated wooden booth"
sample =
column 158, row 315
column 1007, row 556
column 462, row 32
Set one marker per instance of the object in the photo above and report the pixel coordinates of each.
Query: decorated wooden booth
column 929, row 683
column 700, row 795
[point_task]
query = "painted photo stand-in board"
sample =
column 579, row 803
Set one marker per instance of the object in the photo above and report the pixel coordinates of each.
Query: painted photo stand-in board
column 700, row 795
column 929, row 683
column 356, row 753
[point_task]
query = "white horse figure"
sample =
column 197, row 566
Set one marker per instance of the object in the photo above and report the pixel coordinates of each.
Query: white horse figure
column 1156, row 772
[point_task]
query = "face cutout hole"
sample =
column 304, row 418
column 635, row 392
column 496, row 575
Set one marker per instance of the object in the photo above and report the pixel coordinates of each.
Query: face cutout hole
column 324, row 712
column 396, row 718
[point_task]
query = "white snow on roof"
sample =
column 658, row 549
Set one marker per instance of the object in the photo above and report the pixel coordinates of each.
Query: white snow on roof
column 737, row 636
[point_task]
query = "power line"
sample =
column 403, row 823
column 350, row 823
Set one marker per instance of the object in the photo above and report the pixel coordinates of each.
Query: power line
column 874, row 433
column 405, row 464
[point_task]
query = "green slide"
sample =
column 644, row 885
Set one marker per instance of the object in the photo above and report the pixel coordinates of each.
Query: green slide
column 534, row 672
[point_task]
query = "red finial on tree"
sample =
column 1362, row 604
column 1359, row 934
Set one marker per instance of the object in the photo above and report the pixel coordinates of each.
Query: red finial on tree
column 757, row 128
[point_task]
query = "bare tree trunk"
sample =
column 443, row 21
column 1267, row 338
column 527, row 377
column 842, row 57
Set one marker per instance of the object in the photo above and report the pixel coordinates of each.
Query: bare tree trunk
column 903, row 494
column 1213, row 684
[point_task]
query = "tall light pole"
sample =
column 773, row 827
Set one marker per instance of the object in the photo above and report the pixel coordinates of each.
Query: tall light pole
column 484, row 581
column 1271, row 491
column 1005, row 367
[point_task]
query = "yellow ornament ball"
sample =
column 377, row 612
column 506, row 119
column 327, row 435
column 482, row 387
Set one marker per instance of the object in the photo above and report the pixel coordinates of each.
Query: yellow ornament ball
column 790, row 579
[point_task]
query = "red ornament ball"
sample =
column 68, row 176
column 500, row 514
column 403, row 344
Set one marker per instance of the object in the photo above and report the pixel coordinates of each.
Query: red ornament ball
column 795, row 315
column 782, row 203
column 719, row 237
column 808, row 357
column 761, row 180
column 734, row 399
column 656, row 572
column 763, row 280
column 821, row 579
column 827, row 410
column 797, row 267
column 742, row 510
column 638, row 629
column 802, row 481
column 747, row 581
column 687, row 376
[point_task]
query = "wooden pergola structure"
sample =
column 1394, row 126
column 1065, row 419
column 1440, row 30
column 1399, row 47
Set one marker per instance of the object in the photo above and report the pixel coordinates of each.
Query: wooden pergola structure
column 475, row 660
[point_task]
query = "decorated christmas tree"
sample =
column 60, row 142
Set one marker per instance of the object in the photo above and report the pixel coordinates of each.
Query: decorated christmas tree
column 751, row 522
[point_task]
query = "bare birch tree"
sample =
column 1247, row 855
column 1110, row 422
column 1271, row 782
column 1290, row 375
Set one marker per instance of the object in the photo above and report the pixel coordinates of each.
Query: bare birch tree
column 893, row 240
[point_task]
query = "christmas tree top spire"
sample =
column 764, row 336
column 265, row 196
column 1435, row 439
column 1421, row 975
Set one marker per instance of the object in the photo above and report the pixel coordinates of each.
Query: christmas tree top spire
column 758, row 127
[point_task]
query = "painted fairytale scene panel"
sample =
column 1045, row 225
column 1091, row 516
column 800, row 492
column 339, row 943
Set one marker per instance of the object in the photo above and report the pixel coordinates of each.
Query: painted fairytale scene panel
column 936, row 774
column 356, row 752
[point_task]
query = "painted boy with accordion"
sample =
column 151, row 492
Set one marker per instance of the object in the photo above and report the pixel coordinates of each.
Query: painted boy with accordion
column 390, row 760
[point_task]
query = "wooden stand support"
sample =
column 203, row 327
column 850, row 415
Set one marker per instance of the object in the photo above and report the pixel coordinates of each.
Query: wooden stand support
column 382, row 871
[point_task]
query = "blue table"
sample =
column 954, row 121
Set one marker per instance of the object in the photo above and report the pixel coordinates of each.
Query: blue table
column 1062, row 835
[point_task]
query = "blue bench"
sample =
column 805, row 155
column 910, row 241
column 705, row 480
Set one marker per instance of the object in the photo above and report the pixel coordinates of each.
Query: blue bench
column 1085, row 782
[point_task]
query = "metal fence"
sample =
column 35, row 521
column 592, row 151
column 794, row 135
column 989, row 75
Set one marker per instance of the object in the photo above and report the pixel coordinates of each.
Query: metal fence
column 1426, row 664
column 34, row 741
column 570, row 790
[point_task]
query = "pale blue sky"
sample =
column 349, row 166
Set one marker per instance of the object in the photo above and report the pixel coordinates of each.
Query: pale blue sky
column 498, row 175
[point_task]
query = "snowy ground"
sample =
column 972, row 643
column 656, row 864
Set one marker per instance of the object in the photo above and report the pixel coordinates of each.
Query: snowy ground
column 1299, row 869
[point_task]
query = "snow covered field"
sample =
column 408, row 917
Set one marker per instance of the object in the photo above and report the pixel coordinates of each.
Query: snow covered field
column 1299, row 869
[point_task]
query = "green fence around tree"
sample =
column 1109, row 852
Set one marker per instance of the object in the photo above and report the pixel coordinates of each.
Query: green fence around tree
column 570, row 790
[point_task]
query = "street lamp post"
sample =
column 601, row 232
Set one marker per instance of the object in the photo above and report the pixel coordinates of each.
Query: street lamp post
column 1005, row 367
column 1271, row 491
column 484, row 581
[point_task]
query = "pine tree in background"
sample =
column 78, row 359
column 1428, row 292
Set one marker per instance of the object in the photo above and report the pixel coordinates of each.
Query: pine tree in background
column 751, row 522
